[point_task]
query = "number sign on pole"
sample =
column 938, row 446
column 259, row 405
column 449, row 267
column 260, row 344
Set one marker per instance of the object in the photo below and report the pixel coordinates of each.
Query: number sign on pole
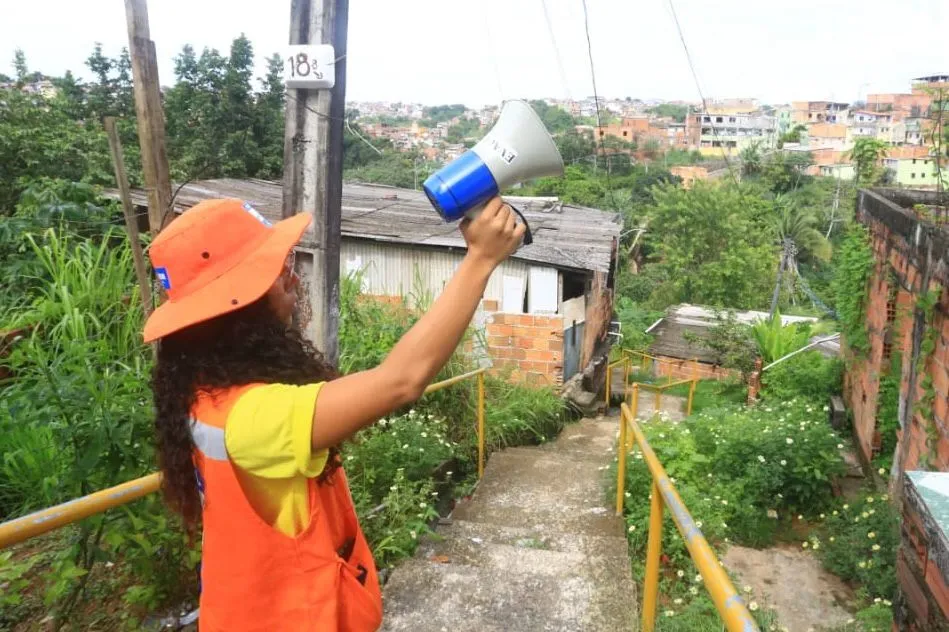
column 309, row 67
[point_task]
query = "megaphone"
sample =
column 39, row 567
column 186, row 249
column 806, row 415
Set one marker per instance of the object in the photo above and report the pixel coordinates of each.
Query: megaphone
column 517, row 148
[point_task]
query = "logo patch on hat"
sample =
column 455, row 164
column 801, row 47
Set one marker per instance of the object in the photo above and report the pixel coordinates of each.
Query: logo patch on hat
column 257, row 215
column 163, row 278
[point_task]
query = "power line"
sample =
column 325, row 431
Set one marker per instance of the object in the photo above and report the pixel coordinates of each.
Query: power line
column 698, row 86
column 553, row 42
column 596, row 100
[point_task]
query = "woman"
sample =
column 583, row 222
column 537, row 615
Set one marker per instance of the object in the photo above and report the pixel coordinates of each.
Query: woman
column 249, row 414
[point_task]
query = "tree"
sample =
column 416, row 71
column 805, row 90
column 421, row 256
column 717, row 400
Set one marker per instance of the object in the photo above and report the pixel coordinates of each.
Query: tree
column 240, row 156
column 751, row 159
column 269, row 120
column 714, row 245
column 793, row 135
column 556, row 119
column 20, row 68
column 671, row 110
column 867, row 155
column 785, row 171
column 797, row 234
column 101, row 91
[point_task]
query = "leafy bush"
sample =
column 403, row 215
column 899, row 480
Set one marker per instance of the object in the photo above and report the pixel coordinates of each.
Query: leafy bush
column 854, row 264
column 775, row 340
column 858, row 542
column 808, row 375
column 731, row 341
column 710, row 394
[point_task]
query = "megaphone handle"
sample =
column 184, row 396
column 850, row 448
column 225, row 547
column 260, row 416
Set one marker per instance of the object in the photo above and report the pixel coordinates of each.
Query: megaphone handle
column 528, row 236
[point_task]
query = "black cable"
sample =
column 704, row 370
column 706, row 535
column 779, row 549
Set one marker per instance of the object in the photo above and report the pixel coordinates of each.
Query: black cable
column 596, row 99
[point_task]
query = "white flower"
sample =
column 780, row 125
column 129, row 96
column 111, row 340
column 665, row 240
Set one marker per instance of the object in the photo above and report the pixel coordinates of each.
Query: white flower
column 449, row 473
column 783, row 462
column 693, row 590
column 881, row 471
column 761, row 459
column 822, row 516
column 773, row 514
column 350, row 457
column 862, row 564
column 422, row 505
column 724, row 502
column 871, row 535
column 413, row 534
column 393, row 488
column 421, row 449
column 789, row 440
column 877, row 600
column 698, row 524
column 846, row 507
column 840, row 446
column 425, row 435
column 680, row 573
column 632, row 528
column 412, row 413
column 826, row 408
column 804, row 545
column 887, row 603
column 698, row 579
column 753, row 606
column 864, row 515
column 670, row 613
column 800, row 517
column 405, row 446
column 677, row 601
column 724, row 526
column 869, row 499
column 832, row 538
column 747, row 590
column 876, row 547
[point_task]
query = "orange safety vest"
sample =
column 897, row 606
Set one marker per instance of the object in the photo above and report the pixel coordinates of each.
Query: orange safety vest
column 256, row 578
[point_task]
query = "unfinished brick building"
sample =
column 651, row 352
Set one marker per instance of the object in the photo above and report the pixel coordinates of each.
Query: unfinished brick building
column 907, row 304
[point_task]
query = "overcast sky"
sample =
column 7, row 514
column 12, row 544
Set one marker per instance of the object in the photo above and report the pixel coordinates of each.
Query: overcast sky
column 476, row 52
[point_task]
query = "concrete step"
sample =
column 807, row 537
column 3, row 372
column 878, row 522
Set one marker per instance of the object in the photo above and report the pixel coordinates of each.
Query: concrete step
column 544, row 492
column 496, row 587
column 593, row 439
column 478, row 533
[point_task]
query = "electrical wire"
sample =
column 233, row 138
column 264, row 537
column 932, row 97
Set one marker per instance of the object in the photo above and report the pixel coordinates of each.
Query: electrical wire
column 596, row 100
column 557, row 56
column 698, row 86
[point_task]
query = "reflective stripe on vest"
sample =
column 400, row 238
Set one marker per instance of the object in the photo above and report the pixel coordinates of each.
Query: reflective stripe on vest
column 209, row 440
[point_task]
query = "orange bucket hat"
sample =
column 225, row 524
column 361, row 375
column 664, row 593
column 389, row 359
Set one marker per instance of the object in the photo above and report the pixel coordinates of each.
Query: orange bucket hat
column 217, row 257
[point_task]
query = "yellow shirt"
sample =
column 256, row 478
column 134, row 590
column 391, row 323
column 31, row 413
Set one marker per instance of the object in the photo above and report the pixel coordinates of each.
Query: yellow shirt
column 268, row 437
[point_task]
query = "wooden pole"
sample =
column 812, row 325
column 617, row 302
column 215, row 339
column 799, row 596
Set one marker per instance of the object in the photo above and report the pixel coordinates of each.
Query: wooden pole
column 149, row 115
column 313, row 171
column 131, row 226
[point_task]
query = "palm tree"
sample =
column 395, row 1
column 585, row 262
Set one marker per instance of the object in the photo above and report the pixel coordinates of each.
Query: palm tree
column 796, row 231
column 751, row 159
column 866, row 156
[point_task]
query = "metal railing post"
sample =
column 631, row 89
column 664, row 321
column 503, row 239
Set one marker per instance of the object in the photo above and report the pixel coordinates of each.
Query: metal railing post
column 653, row 552
column 609, row 382
column 634, row 406
column 480, row 425
column 691, row 398
column 658, row 400
column 621, row 466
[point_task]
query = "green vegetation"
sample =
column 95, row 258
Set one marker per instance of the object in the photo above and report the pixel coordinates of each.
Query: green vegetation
column 677, row 112
column 851, row 274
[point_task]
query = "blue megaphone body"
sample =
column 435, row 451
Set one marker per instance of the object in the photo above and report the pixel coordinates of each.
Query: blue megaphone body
column 518, row 148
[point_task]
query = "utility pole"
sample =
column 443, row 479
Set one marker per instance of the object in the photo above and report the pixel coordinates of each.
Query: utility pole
column 313, row 170
column 833, row 210
column 149, row 114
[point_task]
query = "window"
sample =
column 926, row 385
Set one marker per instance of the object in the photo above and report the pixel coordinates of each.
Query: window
column 706, row 119
column 913, row 176
column 625, row 133
column 731, row 119
column 914, row 161
column 718, row 119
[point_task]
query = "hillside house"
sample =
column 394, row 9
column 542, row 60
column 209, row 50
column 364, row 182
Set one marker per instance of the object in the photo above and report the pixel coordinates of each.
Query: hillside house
column 677, row 340
column 546, row 311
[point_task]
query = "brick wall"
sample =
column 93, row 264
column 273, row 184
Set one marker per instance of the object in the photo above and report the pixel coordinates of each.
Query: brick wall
column 683, row 369
column 912, row 258
column 893, row 291
column 528, row 346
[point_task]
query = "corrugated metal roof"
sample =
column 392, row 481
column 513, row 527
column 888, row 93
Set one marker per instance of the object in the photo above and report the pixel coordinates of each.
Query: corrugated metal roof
column 565, row 236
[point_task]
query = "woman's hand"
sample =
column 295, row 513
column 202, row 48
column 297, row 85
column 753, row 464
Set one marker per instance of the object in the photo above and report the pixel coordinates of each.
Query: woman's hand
column 494, row 234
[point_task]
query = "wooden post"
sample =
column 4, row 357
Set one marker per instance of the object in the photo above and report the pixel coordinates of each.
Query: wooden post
column 313, row 171
column 131, row 226
column 149, row 115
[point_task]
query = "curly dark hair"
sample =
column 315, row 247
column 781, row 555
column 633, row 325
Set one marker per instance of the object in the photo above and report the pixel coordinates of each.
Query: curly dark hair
column 242, row 347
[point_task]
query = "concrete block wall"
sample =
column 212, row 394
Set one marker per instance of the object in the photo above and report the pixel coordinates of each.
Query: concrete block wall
column 528, row 346
column 680, row 369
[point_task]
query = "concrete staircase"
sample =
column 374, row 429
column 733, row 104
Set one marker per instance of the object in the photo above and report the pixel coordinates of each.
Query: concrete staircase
column 537, row 548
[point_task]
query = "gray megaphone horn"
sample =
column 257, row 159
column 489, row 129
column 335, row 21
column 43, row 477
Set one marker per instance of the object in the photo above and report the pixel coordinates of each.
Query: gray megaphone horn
column 518, row 148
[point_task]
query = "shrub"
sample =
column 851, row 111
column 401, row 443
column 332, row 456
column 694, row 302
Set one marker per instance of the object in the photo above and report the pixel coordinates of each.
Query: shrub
column 859, row 541
column 775, row 340
column 808, row 375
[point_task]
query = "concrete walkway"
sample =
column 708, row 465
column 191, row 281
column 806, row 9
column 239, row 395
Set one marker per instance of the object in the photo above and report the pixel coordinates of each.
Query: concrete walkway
column 535, row 549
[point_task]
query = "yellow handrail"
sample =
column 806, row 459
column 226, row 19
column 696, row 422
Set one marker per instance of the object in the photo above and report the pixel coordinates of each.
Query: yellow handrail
column 659, row 389
column 51, row 518
column 727, row 601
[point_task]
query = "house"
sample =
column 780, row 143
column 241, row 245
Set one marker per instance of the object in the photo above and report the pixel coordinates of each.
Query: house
column 717, row 133
column 916, row 172
column 628, row 129
column 547, row 310
column 677, row 340
column 709, row 170
column 807, row 112
column 833, row 163
column 829, row 136
column 906, row 307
